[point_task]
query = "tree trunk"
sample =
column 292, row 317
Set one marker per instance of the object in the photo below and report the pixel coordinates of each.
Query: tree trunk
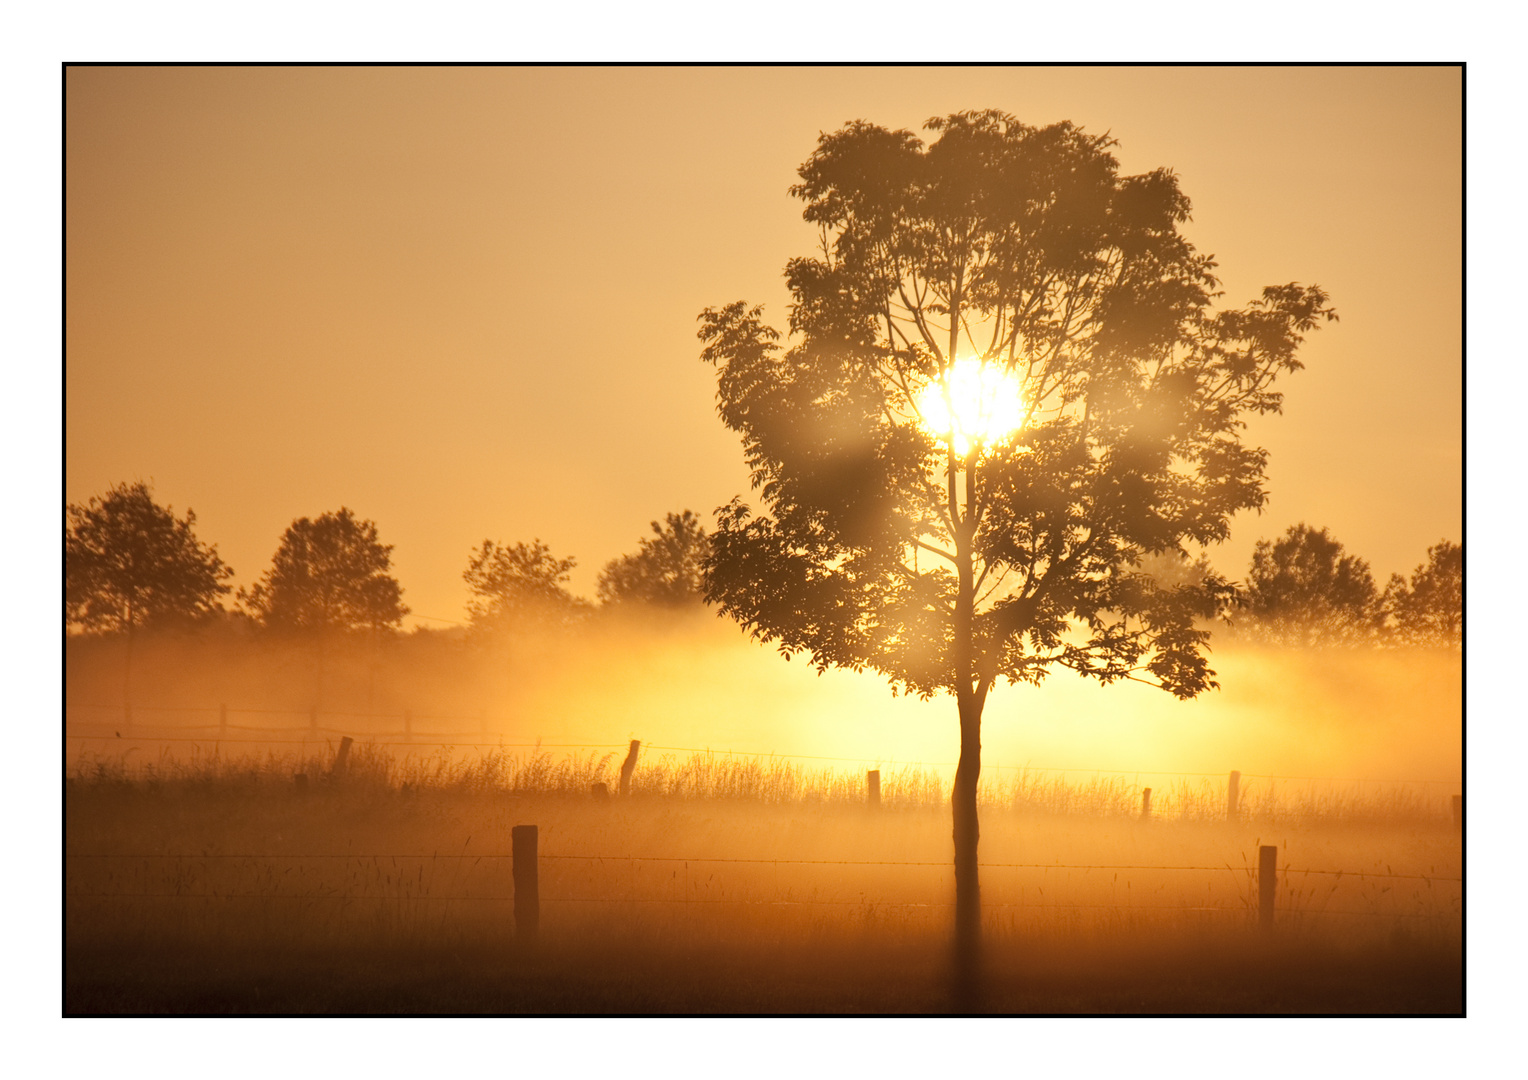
column 968, row 905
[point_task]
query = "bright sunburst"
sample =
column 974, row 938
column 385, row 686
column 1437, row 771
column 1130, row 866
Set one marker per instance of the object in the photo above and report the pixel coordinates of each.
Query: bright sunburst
column 975, row 404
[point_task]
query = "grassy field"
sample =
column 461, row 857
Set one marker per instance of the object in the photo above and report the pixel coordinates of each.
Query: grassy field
column 729, row 886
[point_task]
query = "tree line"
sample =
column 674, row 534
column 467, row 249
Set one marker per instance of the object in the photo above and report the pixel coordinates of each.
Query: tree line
column 132, row 564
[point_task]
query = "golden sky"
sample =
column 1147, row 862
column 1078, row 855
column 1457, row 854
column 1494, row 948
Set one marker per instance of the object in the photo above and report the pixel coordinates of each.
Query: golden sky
column 462, row 301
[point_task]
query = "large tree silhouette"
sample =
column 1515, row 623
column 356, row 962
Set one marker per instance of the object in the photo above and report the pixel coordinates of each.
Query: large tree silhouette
column 947, row 554
column 666, row 570
column 330, row 574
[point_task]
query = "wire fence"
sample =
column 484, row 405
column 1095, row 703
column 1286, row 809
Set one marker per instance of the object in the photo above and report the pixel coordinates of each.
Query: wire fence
column 336, row 894
column 111, row 732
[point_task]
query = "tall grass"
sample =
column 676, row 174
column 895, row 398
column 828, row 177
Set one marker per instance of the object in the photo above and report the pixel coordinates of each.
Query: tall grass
column 775, row 781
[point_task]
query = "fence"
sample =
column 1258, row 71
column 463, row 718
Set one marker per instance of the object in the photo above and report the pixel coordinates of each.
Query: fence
column 96, row 729
column 526, row 899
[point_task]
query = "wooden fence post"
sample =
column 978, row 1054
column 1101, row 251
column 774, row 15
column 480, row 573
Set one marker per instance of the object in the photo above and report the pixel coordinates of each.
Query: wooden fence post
column 527, row 887
column 1458, row 811
column 629, row 765
column 1267, row 883
column 223, row 721
column 1145, row 804
column 1233, row 796
column 873, row 789
column 341, row 759
column 408, row 726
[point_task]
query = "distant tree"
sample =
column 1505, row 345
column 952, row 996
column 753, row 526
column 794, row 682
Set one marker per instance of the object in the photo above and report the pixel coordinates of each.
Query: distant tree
column 519, row 586
column 1428, row 609
column 1005, row 386
column 667, row 569
column 330, row 574
column 1304, row 589
column 130, row 563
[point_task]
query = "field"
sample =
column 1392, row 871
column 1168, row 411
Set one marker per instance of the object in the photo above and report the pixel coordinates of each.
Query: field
column 728, row 885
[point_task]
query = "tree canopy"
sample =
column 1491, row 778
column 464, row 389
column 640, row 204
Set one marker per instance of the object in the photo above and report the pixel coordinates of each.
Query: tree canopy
column 666, row 570
column 131, row 563
column 948, row 566
column 520, row 586
column 329, row 574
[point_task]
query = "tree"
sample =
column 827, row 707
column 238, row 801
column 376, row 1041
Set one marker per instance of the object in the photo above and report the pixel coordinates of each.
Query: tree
column 329, row 574
column 130, row 563
column 519, row 586
column 1304, row 589
column 1005, row 386
column 1428, row 609
column 666, row 569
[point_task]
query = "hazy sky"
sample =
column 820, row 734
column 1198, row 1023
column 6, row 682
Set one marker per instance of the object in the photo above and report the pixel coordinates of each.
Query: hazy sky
column 462, row 301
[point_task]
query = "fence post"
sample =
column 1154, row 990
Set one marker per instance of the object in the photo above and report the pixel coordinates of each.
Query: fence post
column 1233, row 796
column 527, row 888
column 873, row 788
column 600, row 791
column 1267, row 883
column 341, row 759
column 1458, row 811
column 408, row 726
column 629, row 765
column 1145, row 804
column 223, row 721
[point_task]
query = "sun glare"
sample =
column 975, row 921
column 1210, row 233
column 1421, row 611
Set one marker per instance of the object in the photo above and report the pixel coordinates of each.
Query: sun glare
column 975, row 404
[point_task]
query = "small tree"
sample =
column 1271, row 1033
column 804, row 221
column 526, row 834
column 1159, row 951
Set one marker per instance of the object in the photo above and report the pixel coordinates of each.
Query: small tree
column 330, row 575
column 667, row 569
column 1428, row 609
column 130, row 563
column 520, row 586
column 1305, row 590
column 1006, row 386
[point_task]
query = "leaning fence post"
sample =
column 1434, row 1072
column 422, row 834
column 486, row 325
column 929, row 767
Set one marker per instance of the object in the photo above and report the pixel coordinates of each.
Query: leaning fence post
column 341, row 758
column 873, row 789
column 1267, row 882
column 1458, row 811
column 527, row 888
column 1145, row 804
column 629, row 765
column 1233, row 795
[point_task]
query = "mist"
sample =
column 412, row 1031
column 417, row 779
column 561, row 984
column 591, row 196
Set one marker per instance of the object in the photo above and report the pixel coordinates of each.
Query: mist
column 694, row 682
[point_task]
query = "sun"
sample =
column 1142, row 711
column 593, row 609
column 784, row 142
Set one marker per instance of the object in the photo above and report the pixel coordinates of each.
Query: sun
column 975, row 404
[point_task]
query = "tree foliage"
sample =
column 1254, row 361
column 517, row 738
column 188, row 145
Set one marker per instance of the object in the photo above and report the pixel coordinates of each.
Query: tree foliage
column 884, row 546
column 520, row 586
column 329, row 574
column 1429, row 608
column 131, row 563
column 666, row 570
column 1304, row 589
